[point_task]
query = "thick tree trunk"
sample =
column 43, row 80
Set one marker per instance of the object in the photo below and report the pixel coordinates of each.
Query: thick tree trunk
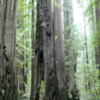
column 59, row 53
column 7, row 49
column 37, row 62
column 50, row 71
column 48, row 61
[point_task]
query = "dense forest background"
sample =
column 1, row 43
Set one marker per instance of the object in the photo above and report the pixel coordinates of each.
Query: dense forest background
column 49, row 49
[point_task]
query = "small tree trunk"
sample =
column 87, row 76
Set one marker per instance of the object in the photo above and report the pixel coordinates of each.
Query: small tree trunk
column 97, row 29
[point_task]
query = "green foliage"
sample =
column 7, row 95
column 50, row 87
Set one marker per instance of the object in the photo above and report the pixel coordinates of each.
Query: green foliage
column 42, row 90
column 88, row 83
column 86, row 74
column 56, row 4
column 23, row 40
column 96, row 36
column 90, row 10
column 55, row 38
column 96, row 39
column 23, row 47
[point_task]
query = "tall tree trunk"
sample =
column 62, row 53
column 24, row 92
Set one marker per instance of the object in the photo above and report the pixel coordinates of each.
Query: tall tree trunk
column 37, row 62
column 50, row 69
column 49, row 61
column 33, row 47
column 59, row 53
column 7, row 49
column 97, row 29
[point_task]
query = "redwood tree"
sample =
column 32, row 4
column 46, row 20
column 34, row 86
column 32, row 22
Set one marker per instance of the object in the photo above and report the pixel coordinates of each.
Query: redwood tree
column 49, row 54
column 7, row 49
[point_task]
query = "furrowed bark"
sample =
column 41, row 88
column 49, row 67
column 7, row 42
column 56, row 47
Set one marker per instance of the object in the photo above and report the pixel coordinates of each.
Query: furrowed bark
column 7, row 49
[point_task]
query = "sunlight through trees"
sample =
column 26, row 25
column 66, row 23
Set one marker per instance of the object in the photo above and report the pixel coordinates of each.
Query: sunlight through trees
column 49, row 50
